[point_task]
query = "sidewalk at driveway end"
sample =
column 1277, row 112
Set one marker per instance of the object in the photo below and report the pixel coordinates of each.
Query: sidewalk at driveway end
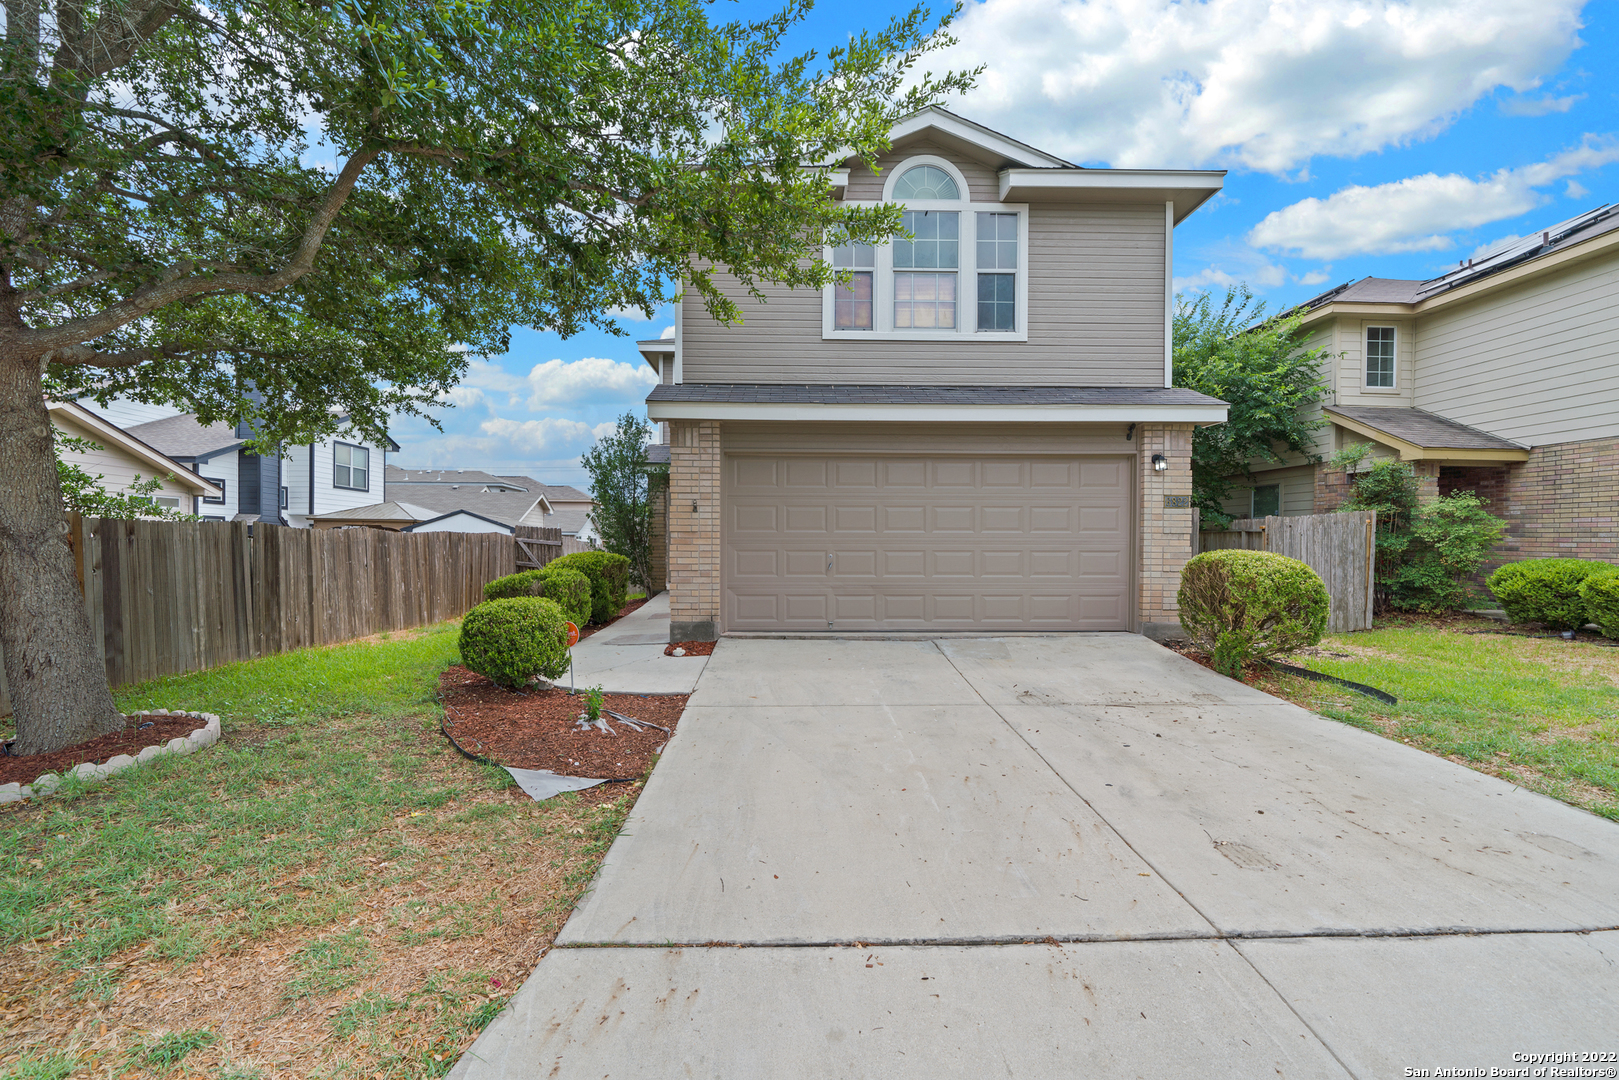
column 627, row 657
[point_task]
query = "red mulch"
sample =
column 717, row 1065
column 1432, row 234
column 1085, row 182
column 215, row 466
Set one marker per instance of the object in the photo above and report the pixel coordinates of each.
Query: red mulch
column 693, row 648
column 586, row 631
column 537, row 729
column 132, row 740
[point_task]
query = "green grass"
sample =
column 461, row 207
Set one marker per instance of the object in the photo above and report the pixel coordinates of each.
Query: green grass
column 1540, row 710
column 330, row 828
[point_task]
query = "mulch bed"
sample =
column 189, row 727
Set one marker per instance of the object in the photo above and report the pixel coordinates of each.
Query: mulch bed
column 538, row 729
column 596, row 628
column 131, row 740
column 693, row 648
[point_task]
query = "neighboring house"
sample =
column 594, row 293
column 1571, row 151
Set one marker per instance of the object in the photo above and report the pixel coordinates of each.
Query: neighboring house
column 1500, row 377
column 977, row 432
column 124, row 458
column 498, row 498
column 325, row 477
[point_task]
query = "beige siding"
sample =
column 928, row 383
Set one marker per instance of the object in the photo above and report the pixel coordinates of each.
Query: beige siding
column 865, row 185
column 1298, row 491
column 1096, row 318
column 117, row 469
column 1350, row 386
column 1537, row 363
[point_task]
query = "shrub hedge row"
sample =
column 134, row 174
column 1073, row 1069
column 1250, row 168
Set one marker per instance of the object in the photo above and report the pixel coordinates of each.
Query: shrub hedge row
column 609, row 576
column 511, row 640
column 1554, row 592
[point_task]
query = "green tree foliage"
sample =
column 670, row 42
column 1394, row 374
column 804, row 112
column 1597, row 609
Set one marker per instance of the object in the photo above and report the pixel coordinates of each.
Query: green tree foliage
column 1262, row 368
column 1425, row 550
column 1250, row 605
column 285, row 214
column 88, row 495
column 621, row 483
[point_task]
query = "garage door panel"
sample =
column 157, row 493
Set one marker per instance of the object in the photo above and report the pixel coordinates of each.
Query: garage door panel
column 938, row 543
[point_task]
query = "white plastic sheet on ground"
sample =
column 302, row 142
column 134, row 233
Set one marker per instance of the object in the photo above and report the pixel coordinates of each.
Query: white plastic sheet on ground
column 541, row 784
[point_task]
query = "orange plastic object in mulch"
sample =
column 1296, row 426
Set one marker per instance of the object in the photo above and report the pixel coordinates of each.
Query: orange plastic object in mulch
column 573, row 635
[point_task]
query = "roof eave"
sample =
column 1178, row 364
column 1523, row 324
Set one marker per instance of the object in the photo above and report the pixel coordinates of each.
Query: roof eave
column 1410, row 451
column 1200, row 413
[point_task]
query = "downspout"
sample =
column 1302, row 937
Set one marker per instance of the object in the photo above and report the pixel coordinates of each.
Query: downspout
column 311, row 485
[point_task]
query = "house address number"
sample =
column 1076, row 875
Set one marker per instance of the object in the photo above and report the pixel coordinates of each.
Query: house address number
column 1177, row 502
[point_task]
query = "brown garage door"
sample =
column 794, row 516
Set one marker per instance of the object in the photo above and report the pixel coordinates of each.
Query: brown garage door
column 927, row 543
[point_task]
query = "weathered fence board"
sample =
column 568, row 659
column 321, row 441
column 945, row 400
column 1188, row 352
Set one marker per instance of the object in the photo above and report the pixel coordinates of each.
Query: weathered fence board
column 1339, row 547
column 166, row 597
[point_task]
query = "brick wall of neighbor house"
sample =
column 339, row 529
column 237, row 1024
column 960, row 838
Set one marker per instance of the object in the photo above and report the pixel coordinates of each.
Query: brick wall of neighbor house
column 1168, row 533
column 658, row 496
column 694, row 536
column 1561, row 503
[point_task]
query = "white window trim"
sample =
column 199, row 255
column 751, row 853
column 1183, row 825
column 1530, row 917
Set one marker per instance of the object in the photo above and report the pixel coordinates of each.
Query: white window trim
column 352, row 446
column 1365, row 359
column 882, row 291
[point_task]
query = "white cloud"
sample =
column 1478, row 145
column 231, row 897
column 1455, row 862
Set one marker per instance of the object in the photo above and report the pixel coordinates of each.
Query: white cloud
column 1576, row 190
column 549, row 437
column 1416, row 213
column 1539, row 106
column 1260, row 83
column 668, row 334
column 1314, row 277
column 558, row 383
column 464, row 397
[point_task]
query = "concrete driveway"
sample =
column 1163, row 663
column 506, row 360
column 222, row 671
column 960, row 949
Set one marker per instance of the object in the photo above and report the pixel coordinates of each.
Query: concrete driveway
column 1062, row 856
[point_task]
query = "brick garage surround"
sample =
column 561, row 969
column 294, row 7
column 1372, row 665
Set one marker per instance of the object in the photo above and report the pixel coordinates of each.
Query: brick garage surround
column 694, row 535
column 1167, row 533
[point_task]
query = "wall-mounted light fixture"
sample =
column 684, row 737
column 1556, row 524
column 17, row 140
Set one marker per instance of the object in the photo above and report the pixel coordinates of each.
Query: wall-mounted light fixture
column 1160, row 463
column 694, row 506
column 1129, row 433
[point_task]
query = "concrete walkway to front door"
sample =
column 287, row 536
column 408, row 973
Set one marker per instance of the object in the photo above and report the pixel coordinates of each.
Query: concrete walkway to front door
column 1062, row 856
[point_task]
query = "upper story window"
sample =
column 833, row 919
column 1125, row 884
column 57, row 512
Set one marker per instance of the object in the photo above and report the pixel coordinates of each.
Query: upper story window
column 960, row 267
column 1380, row 358
column 220, row 484
column 351, row 467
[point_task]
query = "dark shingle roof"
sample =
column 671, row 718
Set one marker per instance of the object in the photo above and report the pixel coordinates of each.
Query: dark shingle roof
column 658, row 454
column 183, row 437
column 830, row 394
column 1421, row 428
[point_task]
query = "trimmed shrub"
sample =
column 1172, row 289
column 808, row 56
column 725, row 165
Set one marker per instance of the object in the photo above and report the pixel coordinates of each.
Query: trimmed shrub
column 570, row 589
column 1601, row 595
column 512, row 640
column 609, row 576
column 1239, row 606
column 523, row 583
column 1546, row 590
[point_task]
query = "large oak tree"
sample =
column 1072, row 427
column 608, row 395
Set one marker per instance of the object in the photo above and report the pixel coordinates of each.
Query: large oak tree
column 283, row 211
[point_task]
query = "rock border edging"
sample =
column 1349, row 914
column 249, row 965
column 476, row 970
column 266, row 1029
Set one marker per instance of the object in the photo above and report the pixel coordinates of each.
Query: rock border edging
column 47, row 783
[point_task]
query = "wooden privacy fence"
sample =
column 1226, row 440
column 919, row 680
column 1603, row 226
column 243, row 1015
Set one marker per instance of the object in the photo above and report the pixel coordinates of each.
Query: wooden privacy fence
column 538, row 545
column 1340, row 547
column 171, row 596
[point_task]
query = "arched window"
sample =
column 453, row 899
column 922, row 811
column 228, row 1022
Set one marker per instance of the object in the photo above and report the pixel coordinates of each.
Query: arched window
column 926, row 182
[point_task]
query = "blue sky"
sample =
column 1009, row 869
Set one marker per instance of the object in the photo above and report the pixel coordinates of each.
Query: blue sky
column 1363, row 137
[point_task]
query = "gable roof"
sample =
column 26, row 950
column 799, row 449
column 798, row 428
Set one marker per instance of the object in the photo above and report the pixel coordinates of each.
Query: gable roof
column 184, row 436
column 455, row 513
column 1419, row 434
column 394, row 474
column 383, row 511
column 114, row 436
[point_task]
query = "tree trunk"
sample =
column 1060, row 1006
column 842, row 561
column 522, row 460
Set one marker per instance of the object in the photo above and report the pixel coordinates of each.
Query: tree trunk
column 54, row 667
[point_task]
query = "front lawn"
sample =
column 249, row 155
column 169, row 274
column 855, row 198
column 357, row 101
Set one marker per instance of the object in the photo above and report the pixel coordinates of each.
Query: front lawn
column 1540, row 711
column 329, row 891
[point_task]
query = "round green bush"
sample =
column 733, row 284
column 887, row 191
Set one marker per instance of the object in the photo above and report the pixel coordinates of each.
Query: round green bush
column 1546, row 590
column 1250, row 605
column 609, row 576
column 510, row 641
column 1601, row 595
column 570, row 589
column 523, row 583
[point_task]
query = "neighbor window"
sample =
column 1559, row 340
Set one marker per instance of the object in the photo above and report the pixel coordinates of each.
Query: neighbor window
column 220, row 484
column 1380, row 357
column 351, row 467
column 927, row 299
column 852, row 303
column 1267, row 500
column 167, row 502
column 925, row 182
column 283, row 498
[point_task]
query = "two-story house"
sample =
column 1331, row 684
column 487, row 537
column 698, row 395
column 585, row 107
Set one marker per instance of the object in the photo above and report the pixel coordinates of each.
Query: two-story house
column 119, row 459
column 976, row 432
column 323, row 477
column 1500, row 377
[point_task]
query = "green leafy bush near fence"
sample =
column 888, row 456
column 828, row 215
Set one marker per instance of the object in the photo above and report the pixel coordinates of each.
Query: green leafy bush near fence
column 1601, row 595
column 570, row 589
column 1250, row 605
column 512, row 640
column 523, row 583
column 1546, row 590
column 609, row 576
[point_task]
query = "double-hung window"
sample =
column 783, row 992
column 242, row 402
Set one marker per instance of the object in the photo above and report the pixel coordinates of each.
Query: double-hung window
column 351, row 467
column 852, row 302
column 959, row 266
column 1380, row 357
column 925, row 270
